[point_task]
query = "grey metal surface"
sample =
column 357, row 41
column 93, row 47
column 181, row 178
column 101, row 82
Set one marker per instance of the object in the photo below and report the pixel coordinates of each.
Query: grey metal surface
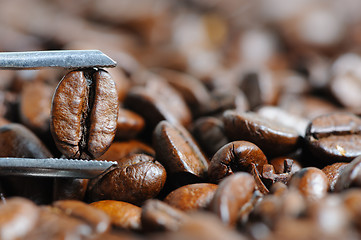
column 61, row 59
column 53, row 167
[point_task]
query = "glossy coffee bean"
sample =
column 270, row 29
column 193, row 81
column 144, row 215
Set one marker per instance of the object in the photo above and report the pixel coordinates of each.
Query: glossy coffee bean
column 333, row 172
column 191, row 197
column 129, row 124
column 18, row 217
column 271, row 137
column 119, row 150
column 122, row 214
column 311, row 182
column 282, row 117
column 334, row 137
column 157, row 101
column 159, row 216
column 135, row 179
column 178, row 152
column 35, row 106
column 192, row 90
column 350, row 176
column 235, row 157
column 351, row 199
column 209, row 133
column 84, row 113
column 97, row 219
column 18, row 141
column 232, row 193
column 69, row 189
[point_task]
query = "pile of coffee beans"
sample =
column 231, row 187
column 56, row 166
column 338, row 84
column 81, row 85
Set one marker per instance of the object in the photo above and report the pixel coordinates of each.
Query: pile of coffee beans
column 228, row 119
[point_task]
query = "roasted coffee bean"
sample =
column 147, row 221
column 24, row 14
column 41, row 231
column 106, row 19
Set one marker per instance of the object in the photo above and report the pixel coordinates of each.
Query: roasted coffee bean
column 282, row 117
column 209, row 133
column 69, row 189
column 157, row 101
column 136, row 179
column 235, row 157
column 333, row 172
column 129, row 124
column 18, row 141
column 271, row 137
column 179, row 153
column 122, row 214
column 334, row 138
column 84, row 113
column 17, row 218
column 192, row 90
column 97, row 219
column 35, row 106
column 349, row 176
column 232, row 193
column 119, row 150
column 311, row 182
column 159, row 216
column 192, row 197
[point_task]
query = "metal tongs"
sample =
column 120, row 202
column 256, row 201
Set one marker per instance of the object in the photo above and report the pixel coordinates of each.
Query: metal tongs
column 54, row 167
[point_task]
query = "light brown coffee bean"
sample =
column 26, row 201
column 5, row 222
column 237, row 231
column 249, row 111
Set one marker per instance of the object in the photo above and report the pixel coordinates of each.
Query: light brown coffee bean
column 84, row 113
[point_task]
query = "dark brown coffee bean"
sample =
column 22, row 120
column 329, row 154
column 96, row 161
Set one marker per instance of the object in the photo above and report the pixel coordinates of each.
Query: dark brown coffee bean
column 232, row 193
column 192, row 197
column 136, row 179
column 84, row 113
column 272, row 138
column 235, row 157
column 129, row 124
column 334, row 137
column 122, row 214
column 69, row 189
column 119, row 150
column 178, row 152
column 192, row 90
column 209, row 133
column 35, row 106
column 18, row 141
column 157, row 101
column 311, row 182
column 97, row 219
column 159, row 216
column 17, row 218
column 333, row 172
column 349, row 176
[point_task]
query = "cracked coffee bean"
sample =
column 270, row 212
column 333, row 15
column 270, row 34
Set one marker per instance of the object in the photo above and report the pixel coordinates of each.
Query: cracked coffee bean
column 84, row 113
column 334, row 138
column 235, row 157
